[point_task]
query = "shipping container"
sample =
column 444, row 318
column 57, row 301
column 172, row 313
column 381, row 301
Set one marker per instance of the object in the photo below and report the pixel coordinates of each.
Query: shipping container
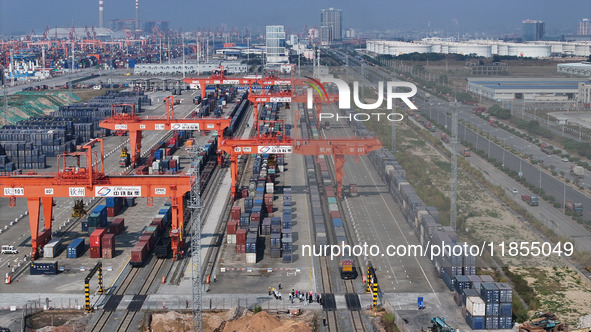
column 76, row 248
column 138, row 254
column 475, row 322
column 489, row 292
column 52, row 248
column 40, row 268
column 475, row 306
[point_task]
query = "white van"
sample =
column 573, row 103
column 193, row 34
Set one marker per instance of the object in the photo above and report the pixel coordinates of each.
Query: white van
column 7, row 249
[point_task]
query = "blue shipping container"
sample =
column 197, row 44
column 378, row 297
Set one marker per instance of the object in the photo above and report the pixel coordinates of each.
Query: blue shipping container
column 76, row 248
column 475, row 322
column 505, row 309
column 39, row 268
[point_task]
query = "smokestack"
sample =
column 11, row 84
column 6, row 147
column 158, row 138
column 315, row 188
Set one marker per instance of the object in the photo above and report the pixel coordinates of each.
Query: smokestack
column 137, row 14
column 101, row 21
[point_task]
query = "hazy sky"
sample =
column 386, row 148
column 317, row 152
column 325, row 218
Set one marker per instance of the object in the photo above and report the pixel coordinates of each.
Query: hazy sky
column 465, row 15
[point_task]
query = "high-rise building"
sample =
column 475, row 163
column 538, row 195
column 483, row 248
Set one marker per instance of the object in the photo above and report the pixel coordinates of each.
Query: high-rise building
column 275, row 41
column 533, row 30
column 584, row 27
column 331, row 25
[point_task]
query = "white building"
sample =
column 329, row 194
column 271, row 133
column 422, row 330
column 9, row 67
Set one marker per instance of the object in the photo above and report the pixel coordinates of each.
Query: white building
column 275, row 42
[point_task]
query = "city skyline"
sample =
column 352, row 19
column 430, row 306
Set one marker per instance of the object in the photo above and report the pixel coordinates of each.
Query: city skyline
column 460, row 16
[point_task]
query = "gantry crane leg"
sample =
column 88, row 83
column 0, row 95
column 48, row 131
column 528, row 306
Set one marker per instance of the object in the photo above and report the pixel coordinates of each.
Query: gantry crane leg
column 135, row 142
column 177, row 226
column 34, row 206
column 339, row 170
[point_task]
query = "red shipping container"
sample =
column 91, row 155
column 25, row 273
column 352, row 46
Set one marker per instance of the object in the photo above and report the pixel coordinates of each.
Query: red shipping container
column 107, row 253
column 157, row 222
column 96, row 237
column 240, row 248
column 44, row 237
column 233, row 226
column 138, row 254
column 95, row 252
column 335, row 214
column 241, row 236
column 117, row 226
column 236, row 211
column 148, row 239
column 108, row 241
column 269, row 206
column 255, row 217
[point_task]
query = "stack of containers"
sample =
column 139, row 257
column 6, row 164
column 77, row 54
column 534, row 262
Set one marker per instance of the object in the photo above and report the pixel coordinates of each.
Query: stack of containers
column 75, row 248
column 52, row 248
column 95, row 242
column 475, row 312
column 251, row 247
column 266, row 226
column 505, row 305
column 268, row 199
column 241, row 240
column 244, row 220
column 108, row 246
column 97, row 218
column 114, row 205
column 469, row 264
column 490, row 294
column 275, row 245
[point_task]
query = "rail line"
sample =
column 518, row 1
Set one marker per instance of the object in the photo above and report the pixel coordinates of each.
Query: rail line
column 327, row 285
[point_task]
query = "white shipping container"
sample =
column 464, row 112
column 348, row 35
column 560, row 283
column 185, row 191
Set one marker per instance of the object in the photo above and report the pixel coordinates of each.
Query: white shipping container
column 231, row 238
column 52, row 248
column 475, row 306
column 280, row 167
column 150, row 171
column 251, row 258
column 270, row 187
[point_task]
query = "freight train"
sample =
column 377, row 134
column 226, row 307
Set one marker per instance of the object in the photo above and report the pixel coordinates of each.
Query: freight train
column 151, row 238
column 317, row 182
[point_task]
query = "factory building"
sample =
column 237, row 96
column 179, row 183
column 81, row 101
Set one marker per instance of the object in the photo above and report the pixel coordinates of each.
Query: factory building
column 539, row 89
column 579, row 69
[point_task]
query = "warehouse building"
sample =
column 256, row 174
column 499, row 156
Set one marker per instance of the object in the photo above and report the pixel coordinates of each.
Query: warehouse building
column 539, row 89
column 580, row 68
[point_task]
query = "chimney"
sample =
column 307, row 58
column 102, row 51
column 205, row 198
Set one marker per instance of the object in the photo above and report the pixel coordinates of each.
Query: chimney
column 101, row 20
column 137, row 14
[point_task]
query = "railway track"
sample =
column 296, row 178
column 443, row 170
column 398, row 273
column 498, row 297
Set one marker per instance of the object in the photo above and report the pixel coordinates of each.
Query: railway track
column 327, row 284
column 155, row 266
column 208, row 196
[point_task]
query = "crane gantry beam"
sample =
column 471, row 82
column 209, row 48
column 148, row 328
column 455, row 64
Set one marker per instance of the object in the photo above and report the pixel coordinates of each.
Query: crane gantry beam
column 135, row 125
column 219, row 78
column 83, row 180
column 338, row 148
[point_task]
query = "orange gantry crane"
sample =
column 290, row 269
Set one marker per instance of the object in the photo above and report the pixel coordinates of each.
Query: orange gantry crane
column 219, row 78
column 88, row 179
column 134, row 124
column 338, row 148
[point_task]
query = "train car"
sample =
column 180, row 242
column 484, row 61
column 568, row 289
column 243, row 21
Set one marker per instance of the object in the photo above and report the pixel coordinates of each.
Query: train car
column 139, row 254
column 162, row 248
